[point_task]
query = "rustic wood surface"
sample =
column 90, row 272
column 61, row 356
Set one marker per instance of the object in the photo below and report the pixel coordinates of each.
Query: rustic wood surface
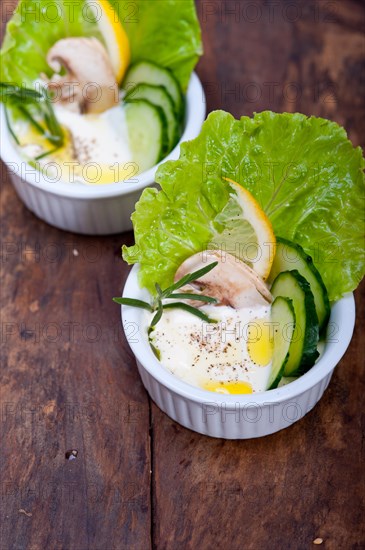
column 69, row 381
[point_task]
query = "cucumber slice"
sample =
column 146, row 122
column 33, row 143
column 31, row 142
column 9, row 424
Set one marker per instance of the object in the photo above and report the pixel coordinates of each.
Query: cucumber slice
column 292, row 256
column 150, row 73
column 303, row 347
column 283, row 319
column 147, row 133
column 160, row 97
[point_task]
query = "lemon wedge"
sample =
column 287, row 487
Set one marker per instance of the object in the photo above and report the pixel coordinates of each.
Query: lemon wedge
column 114, row 35
column 254, row 230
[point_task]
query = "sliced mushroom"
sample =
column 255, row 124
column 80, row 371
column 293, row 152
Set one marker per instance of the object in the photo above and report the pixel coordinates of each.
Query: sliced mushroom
column 231, row 282
column 90, row 85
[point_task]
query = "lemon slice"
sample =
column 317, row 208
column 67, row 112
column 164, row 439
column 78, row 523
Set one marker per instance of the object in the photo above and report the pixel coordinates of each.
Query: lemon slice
column 243, row 230
column 114, row 35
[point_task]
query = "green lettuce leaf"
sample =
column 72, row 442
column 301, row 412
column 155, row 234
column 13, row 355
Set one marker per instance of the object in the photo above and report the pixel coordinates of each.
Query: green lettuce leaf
column 164, row 31
column 304, row 172
column 34, row 27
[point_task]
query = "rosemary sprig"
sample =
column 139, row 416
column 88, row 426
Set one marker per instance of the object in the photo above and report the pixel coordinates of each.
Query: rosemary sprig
column 158, row 315
column 189, row 278
column 134, row 303
column 190, row 309
column 192, row 296
column 44, row 122
column 56, row 132
column 18, row 94
column 46, row 153
column 158, row 306
column 11, row 131
column 31, row 119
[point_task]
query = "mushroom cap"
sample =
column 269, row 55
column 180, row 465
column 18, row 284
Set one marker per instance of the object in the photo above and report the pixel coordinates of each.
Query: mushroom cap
column 88, row 65
column 231, row 282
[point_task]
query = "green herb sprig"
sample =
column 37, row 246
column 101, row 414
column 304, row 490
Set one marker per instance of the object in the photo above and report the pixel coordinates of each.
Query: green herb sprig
column 169, row 293
column 29, row 101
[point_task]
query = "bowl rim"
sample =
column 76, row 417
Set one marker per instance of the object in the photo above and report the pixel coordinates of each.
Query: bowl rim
column 342, row 318
column 195, row 116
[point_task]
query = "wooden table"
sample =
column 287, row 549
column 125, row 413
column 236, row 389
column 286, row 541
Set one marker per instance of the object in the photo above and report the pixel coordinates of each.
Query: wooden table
column 69, row 380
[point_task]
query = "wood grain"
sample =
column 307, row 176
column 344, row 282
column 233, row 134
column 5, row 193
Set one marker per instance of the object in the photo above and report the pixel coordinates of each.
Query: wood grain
column 69, row 381
column 281, row 491
column 305, row 56
column 305, row 482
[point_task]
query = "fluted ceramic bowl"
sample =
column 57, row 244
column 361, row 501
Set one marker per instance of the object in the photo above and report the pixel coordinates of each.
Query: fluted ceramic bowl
column 91, row 209
column 235, row 416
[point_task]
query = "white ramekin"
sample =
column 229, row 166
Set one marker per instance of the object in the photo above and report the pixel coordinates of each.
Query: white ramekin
column 88, row 209
column 235, row 416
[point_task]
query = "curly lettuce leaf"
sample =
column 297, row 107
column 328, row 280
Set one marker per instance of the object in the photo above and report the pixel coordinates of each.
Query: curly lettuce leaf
column 303, row 171
column 34, row 27
column 164, row 31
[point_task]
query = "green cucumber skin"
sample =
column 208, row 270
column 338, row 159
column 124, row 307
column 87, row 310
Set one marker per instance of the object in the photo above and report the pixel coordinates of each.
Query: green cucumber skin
column 180, row 104
column 143, row 91
column 164, row 137
column 311, row 331
column 274, row 384
column 310, row 352
column 307, row 259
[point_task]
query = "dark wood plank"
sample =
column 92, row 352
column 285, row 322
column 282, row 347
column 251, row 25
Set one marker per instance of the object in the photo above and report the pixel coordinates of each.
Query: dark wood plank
column 68, row 381
column 282, row 491
column 305, row 56
column 305, row 482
